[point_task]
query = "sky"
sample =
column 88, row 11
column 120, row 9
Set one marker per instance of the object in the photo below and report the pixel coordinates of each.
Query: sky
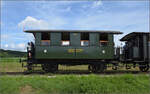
column 16, row 16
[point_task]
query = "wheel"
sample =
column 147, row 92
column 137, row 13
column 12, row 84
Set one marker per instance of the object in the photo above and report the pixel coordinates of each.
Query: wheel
column 93, row 68
column 45, row 67
column 90, row 68
column 54, row 68
column 144, row 67
column 50, row 67
column 96, row 67
column 101, row 67
column 29, row 67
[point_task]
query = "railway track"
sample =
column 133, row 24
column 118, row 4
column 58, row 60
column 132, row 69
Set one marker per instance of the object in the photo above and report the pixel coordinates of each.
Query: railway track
column 76, row 72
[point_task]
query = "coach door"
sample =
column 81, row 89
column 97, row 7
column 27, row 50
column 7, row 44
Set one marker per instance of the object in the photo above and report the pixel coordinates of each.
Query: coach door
column 67, row 50
column 88, row 46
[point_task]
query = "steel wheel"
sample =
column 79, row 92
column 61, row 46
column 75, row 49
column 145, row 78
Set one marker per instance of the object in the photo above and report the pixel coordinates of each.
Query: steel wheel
column 90, row 68
column 50, row 67
column 93, row 68
column 101, row 67
column 29, row 67
column 45, row 67
column 96, row 68
column 54, row 67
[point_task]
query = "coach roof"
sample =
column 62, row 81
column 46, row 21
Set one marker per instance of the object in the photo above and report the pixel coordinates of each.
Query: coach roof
column 133, row 35
column 99, row 31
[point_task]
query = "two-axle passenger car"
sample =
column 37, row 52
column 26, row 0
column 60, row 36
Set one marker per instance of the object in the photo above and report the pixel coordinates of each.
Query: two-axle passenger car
column 95, row 48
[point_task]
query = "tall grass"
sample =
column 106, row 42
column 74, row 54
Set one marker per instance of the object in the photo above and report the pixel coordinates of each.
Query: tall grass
column 75, row 84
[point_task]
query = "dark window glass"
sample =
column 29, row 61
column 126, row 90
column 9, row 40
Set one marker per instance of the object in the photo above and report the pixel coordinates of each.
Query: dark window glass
column 84, row 36
column 45, row 38
column 84, row 39
column 103, row 38
column 65, row 38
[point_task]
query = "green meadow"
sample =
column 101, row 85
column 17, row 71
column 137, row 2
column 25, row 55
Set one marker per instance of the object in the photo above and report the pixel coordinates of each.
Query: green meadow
column 75, row 84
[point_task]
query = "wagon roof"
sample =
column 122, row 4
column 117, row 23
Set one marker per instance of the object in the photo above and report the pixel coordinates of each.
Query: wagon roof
column 103, row 31
column 132, row 35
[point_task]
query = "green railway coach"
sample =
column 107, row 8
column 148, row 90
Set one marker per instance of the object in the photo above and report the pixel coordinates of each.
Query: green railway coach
column 71, row 47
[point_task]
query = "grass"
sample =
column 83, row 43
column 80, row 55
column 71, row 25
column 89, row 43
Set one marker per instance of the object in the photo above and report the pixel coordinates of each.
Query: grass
column 10, row 59
column 69, row 84
column 75, row 84
column 10, row 65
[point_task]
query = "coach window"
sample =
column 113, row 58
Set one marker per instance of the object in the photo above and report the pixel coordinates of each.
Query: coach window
column 45, row 38
column 65, row 38
column 84, row 39
column 103, row 39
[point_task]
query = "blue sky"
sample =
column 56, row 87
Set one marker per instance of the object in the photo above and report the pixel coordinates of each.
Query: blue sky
column 125, row 16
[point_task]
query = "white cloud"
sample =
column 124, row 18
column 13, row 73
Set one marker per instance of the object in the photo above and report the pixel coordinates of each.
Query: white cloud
column 33, row 23
column 30, row 22
column 97, row 4
column 6, row 45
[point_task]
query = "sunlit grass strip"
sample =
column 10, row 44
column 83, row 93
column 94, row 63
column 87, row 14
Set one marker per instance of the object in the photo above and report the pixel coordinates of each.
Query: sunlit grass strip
column 75, row 84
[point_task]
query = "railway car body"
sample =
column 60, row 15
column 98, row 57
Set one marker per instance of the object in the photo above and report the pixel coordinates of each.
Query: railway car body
column 71, row 47
column 95, row 48
column 137, row 49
